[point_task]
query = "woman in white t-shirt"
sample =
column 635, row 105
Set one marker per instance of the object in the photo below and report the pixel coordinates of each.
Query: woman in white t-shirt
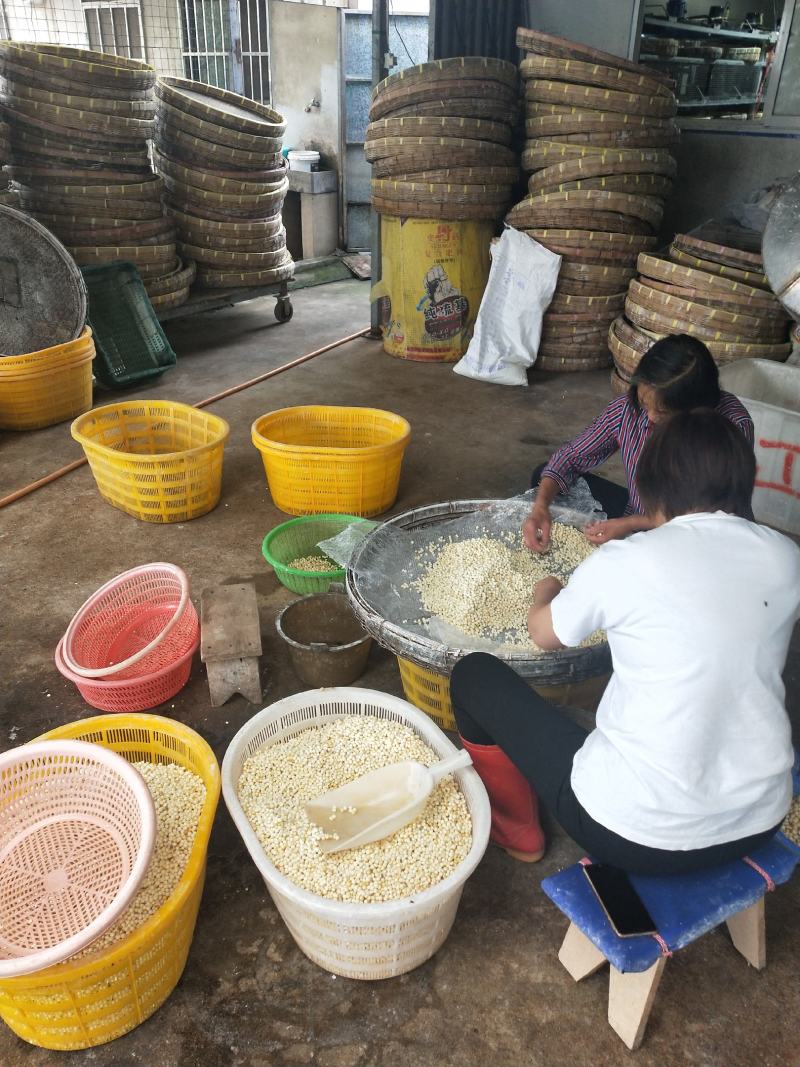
column 689, row 763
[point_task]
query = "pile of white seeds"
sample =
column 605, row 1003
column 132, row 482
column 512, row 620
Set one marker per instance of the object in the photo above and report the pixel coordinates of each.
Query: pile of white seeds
column 791, row 824
column 178, row 797
column 279, row 779
column 316, row 564
column 484, row 585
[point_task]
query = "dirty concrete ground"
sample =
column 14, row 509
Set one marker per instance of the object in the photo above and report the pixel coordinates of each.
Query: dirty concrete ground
column 495, row 994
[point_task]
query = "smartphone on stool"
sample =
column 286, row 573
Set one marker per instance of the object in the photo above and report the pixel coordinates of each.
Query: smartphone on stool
column 619, row 900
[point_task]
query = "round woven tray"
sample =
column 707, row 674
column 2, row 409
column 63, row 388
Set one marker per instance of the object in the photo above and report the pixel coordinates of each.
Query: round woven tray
column 578, row 72
column 109, row 127
column 635, row 338
column 504, row 96
column 617, row 277
column 35, row 150
column 505, row 176
column 665, row 270
column 567, row 217
column 87, row 140
column 465, row 107
column 768, row 307
column 127, row 210
column 204, row 179
column 633, row 343
column 251, row 229
column 151, row 189
column 541, row 153
column 670, row 324
column 170, row 300
column 442, row 193
column 412, row 161
column 626, row 357
column 191, row 236
column 141, row 255
column 36, row 78
column 81, row 65
column 65, row 175
column 179, row 278
column 221, row 107
column 215, row 279
column 552, row 359
column 606, row 162
column 463, row 68
column 384, row 147
column 571, row 120
column 217, row 168
column 193, row 126
column 601, row 99
column 227, row 260
column 566, row 301
column 171, row 138
column 730, row 257
column 755, row 279
column 618, row 384
column 548, row 44
column 13, row 89
column 257, row 206
column 600, row 241
column 636, row 184
column 468, row 129
column 735, row 324
column 415, row 209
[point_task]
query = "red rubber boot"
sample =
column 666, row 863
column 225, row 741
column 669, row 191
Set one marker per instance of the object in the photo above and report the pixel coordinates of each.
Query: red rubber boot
column 515, row 807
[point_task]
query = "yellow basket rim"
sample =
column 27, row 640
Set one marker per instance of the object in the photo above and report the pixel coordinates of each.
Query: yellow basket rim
column 264, row 444
column 83, row 337
column 117, row 954
column 161, row 457
column 34, row 375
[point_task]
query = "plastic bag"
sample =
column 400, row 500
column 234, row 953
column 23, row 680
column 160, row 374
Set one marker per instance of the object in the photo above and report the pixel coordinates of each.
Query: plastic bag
column 508, row 327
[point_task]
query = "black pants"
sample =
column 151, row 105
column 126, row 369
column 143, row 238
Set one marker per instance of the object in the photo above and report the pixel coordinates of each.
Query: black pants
column 494, row 706
column 612, row 497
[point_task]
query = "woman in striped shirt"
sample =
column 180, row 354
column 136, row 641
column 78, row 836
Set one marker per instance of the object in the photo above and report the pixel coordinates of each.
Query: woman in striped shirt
column 676, row 374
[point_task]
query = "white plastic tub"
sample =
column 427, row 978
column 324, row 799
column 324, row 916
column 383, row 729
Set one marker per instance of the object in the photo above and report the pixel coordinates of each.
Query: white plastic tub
column 366, row 941
column 302, row 160
column 771, row 393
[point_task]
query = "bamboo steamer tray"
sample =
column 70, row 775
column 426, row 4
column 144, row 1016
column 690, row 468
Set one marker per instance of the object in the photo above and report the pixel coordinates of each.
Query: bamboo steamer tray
column 626, row 358
column 572, row 320
column 170, row 300
column 587, row 330
column 460, row 68
column 767, row 307
column 440, row 192
column 551, row 359
column 150, row 189
column 750, row 277
column 669, row 324
column 637, row 184
column 35, row 78
column 579, row 72
column 633, row 343
column 205, row 213
column 259, row 205
column 465, row 107
column 632, row 336
column 543, row 153
column 612, row 242
column 144, row 255
column 81, row 65
column 606, row 162
column 382, row 147
column 415, row 209
column 666, row 270
column 133, row 109
column 569, row 217
column 559, row 92
column 416, row 126
column 589, row 274
column 109, row 126
column 129, row 210
column 564, row 301
column 225, row 260
column 571, row 120
column 128, row 232
column 221, row 107
column 215, row 279
column 233, row 244
column 266, row 227
column 172, row 138
column 505, row 97
column 569, row 287
column 618, row 384
column 180, row 278
column 68, row 175
column 88, row 140
column 728, row 322
column 648, row 209
column 411, row 161
column 105, row 238
column 149, row 271
column 549, row 44
column 730, row 257
column 268, row 175
column 193, row 126
column 45, row 151
column 464, row 176
column 202, row 179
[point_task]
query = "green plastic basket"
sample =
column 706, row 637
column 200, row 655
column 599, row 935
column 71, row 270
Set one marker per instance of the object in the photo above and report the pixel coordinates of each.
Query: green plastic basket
column 131, row 346
column 300, row 537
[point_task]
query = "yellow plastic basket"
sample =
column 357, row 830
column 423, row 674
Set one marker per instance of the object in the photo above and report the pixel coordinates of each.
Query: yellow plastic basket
column 48, row 358
column 321, row 459
column 430, row 692
column 157, row 460
column 34, row 400
column 78, row 1005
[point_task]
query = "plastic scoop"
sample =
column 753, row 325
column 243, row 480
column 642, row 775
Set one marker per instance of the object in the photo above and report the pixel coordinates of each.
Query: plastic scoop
column 379, row 803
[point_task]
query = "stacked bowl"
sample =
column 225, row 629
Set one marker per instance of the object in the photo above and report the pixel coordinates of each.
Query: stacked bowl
column 713, row 292
column 219, row 155
column 39, row 389
column 79, row 126
column 599, row 129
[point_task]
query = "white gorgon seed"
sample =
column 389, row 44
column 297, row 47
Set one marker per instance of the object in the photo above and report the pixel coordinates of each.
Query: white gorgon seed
column 791, row 824
column 319, row 564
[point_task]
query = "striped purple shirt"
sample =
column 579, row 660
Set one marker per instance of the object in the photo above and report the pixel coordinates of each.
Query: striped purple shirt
column 622, row 427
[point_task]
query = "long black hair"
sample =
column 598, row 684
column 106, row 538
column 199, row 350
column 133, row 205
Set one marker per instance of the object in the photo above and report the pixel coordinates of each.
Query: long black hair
column 683, row 372
column 696, row 461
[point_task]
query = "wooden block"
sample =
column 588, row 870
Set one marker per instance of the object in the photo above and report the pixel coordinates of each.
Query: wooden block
column 630, row 999
column 748, row 933
column 579, row 955
column 229, row 620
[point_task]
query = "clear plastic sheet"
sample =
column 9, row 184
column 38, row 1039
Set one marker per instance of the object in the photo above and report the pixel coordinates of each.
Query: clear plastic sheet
column 393, row 559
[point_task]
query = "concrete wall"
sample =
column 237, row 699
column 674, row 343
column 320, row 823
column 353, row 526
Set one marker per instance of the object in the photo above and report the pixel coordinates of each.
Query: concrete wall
column 305, row 67
column 606, row 25
column 53, row 22
column 716, row 168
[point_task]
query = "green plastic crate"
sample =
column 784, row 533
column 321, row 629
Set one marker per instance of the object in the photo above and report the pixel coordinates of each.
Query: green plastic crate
column 131, row 346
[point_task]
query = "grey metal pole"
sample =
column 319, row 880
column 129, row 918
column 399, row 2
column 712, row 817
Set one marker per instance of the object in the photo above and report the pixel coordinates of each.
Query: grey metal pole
column 380, row 46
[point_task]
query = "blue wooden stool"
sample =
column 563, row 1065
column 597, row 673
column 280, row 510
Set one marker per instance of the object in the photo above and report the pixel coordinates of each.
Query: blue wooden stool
column 684, row 907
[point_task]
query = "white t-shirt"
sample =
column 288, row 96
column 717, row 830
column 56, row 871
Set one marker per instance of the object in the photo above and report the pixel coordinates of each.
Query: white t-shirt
column 692, row 746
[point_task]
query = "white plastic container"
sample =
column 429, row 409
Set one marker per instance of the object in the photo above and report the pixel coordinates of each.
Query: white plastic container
column 300, row 160
column 366, row 941
column 771, row 393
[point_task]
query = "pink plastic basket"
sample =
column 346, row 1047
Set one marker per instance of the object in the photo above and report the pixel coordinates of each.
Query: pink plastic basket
column 77, row 827
column 135, row 625
column 132, row 694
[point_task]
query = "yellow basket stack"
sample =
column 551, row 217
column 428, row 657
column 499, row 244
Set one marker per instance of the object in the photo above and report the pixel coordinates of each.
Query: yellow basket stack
column 39, row 389
column 76, row 1005
column 157, row 460
column 320, row 459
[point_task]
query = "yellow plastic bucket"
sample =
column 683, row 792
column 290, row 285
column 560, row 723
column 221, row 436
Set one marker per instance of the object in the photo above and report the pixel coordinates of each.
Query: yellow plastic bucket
column 433, row 274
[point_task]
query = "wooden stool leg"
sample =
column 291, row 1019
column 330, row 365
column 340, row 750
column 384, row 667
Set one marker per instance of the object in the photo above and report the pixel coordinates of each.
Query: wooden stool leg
column 748, row 933
column 630, row 998
column 579, row 955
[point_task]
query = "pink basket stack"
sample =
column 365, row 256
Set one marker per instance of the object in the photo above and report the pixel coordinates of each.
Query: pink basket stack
column 130, row 646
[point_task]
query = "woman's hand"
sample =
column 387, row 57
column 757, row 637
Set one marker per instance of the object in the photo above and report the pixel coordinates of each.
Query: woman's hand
column 615, row 529
column 536, row 528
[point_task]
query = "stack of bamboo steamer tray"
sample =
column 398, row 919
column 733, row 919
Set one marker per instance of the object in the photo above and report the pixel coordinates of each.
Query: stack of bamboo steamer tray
column 439, row 140
column 219, row 156
column 79, row 125
column 599, row 129
column 7, row 197
column 713, row 292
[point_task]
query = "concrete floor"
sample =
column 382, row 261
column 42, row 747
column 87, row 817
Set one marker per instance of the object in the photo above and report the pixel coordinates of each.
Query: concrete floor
column 495, row 994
